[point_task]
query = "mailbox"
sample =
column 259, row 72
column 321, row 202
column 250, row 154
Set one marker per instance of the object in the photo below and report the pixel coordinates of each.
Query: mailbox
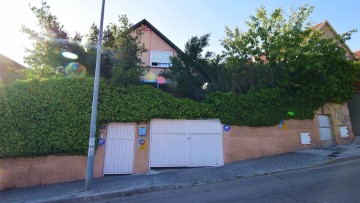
column 142, row 130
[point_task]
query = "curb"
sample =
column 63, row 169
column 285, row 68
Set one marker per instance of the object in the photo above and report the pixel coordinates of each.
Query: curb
column 342, row 159
column 102, row 196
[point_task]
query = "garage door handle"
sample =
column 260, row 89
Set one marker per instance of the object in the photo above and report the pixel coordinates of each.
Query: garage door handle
column 189, row 138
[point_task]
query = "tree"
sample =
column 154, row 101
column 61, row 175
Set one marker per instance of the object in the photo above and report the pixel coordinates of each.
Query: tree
column 126, row 50
column 91, row 50
column 122, row 50
column 289, row 54
column 194, row 75
column 45, row 58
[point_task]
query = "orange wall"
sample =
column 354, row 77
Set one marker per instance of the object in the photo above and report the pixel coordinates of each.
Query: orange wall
column 141, row 155
column 243, row 142
column 25, row 172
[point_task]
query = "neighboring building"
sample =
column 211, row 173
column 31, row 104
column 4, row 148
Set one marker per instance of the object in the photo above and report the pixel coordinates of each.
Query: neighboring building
column 7, row 62
column 357, row 58
column 354, row 104
column 330, row 32
column 9, row 69
column 159, row 50
column 357, row 55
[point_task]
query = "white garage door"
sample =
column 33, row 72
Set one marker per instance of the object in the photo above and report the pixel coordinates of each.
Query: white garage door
column 186, row 143
column 119, row 151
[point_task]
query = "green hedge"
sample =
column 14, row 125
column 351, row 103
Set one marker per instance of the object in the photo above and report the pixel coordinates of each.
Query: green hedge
column 265, row 107
column 43, row 117
column 142, row 103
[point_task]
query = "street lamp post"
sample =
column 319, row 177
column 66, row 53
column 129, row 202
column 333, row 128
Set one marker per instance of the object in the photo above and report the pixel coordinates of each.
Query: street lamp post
column 91, row 150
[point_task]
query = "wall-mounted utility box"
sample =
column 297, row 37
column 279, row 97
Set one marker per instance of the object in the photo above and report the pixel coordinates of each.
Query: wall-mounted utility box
column 305, row 138
column 344, row 132
column 142, row 130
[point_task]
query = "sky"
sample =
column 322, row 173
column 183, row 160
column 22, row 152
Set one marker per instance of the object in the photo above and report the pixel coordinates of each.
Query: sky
column 178, row 20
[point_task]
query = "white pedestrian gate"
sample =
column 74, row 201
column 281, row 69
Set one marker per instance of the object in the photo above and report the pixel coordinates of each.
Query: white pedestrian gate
column 119, row 150
column 186, row 143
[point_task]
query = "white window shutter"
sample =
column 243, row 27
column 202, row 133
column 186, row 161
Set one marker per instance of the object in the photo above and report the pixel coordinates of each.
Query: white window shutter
column 160, row 58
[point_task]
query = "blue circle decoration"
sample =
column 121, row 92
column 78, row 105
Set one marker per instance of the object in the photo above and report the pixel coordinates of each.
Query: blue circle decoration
column 226, row 127
column 141, row 142
column 101, row 141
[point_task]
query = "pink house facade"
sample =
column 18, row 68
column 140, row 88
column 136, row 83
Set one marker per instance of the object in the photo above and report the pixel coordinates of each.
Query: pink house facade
column 329, row 32
column 159, row 51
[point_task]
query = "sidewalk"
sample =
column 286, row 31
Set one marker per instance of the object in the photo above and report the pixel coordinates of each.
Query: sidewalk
column 170, row 179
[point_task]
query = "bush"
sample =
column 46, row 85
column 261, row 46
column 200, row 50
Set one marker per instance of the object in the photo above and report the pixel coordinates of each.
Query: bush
column 43, row 117
column 265, row 107
column 52, row 116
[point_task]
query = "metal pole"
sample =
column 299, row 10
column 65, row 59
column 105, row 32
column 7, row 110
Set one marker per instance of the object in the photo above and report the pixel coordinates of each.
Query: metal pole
column 90, row 162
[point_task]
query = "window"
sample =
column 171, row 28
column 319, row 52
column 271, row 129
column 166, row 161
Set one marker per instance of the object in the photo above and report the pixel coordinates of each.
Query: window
column 160, row 58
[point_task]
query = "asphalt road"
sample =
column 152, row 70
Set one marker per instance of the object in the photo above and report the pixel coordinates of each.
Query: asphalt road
column 336, row 182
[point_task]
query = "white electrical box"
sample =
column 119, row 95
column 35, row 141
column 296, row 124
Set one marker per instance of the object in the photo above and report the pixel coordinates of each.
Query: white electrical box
column 344, row 132
column 305, row 138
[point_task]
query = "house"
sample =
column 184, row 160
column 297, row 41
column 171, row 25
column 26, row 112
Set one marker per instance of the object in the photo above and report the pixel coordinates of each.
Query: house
column 159, row 50
column 354, row 104
column 9, row 69
column 329, row 32
column 357, row 55
column 7, row 62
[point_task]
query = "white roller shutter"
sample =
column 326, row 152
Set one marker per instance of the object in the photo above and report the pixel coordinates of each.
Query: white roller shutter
column 186, row 143
column 160, row 58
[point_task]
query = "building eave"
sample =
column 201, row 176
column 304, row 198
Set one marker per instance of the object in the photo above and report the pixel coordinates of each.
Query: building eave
column 163, row 37
column 326, row 22
column 8, row 62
